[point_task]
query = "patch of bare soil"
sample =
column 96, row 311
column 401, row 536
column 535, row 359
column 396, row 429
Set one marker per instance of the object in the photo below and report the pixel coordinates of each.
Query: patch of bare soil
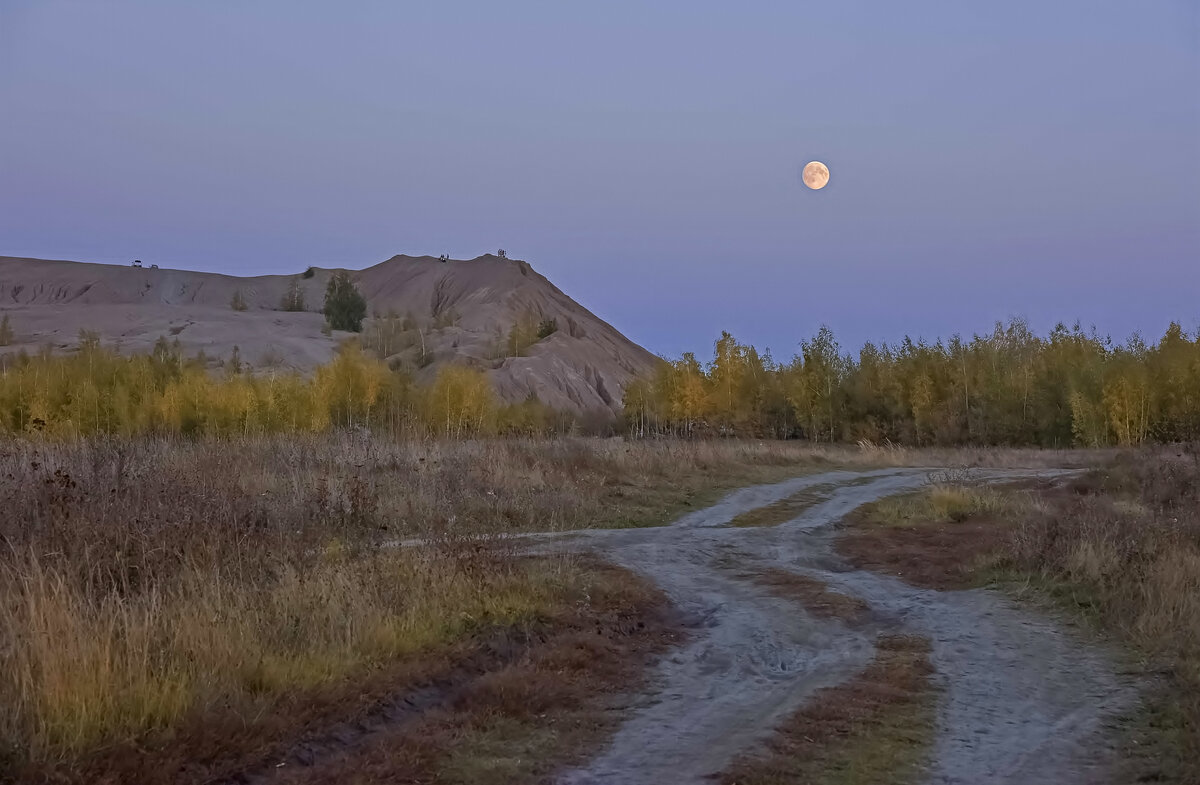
column 874, row 728
column 542, row 688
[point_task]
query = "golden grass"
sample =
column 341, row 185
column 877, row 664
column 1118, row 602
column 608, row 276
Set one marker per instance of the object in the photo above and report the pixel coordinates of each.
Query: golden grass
column 86, row 667
column 947, row 498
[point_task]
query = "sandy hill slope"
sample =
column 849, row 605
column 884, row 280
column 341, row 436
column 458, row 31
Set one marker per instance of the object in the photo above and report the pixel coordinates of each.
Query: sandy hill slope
column 454, row 311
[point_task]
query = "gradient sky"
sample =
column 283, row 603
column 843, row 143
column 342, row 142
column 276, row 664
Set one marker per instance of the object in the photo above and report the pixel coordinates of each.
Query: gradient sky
column 1036, row 159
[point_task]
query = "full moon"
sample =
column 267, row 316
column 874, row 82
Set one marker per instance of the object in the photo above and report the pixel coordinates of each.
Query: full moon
column 816, row 175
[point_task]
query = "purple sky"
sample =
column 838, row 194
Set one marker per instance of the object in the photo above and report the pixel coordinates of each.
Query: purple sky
column 988, row 159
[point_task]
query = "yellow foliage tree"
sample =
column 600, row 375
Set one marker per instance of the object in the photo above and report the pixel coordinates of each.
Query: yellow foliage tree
column 460, row 402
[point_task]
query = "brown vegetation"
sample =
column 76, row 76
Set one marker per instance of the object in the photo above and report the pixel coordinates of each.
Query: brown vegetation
column 539, row 686
column 150, row 582
column 874, row 728
column 813, row 594
column 1124, row 551
column 521, row 720
column 783, row 510
column 1119, row 546
column 944, row 536
column 163, row 595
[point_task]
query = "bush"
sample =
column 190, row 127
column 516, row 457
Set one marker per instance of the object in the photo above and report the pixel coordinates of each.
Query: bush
column 345, row 307
column 6, row 331
column 310, row 272
column 238, row 303
column 546, row 328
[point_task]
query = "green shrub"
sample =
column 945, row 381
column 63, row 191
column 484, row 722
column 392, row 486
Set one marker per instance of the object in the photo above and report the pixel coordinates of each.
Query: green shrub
column 345, row 307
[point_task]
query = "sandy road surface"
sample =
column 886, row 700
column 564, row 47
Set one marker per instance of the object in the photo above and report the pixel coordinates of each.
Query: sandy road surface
column 1024, row 701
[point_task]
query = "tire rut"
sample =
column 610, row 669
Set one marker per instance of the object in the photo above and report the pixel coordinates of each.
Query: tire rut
column 1023, row 699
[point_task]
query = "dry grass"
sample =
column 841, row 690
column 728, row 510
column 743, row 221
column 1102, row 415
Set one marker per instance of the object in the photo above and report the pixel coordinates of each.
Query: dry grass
column 89, row 667
column 948, row 535
column 523, row 720
column 1124, row 551
column 813, row 594
column 147, row 583
column 948, row 497
column 1119, row 546
column 875, row 728
column 791, row 507
column 783, row 510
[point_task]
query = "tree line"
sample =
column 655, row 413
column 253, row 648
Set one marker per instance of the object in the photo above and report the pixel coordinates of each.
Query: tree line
column 1008, row 387
column 97, row 391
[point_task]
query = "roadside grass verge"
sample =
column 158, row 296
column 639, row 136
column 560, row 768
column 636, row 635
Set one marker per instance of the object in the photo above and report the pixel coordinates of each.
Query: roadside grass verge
column 948, row 497
column 1123, row 551
column 543, row 682
column 874, row 728
column 524, row 720
column 1118, row 548
column 155, row 590
column 950, row 534
column 94, row 665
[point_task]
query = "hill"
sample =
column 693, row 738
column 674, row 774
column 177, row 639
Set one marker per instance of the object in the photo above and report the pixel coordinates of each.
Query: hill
column 490, row 312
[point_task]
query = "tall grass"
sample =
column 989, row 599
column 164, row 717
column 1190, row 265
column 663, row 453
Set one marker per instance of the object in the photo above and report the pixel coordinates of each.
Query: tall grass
column 1131, row 538
column 146, row 581
column 89, row 666
column 1126, row 552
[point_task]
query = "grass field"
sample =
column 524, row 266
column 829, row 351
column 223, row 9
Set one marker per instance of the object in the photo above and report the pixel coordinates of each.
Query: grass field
column 152, row 585
column 148, row 583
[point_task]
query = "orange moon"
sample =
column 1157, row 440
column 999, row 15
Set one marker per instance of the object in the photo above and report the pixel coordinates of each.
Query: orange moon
column 816, row 175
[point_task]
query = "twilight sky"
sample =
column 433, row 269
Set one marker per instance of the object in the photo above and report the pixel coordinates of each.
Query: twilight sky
column 988, row 160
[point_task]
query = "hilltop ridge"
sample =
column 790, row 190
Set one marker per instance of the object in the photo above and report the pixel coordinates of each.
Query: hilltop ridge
column 425, row 313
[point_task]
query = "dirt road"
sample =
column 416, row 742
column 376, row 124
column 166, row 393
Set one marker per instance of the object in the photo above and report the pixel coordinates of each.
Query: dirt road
column 1023, row 700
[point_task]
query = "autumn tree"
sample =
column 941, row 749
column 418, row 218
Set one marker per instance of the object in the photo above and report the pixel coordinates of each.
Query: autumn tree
column 293, row 298
column 460, row 402
column 1005, row 386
